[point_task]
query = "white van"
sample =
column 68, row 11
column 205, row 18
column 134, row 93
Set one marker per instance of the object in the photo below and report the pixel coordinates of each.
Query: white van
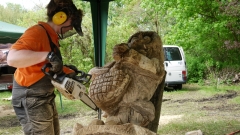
column 175, row 66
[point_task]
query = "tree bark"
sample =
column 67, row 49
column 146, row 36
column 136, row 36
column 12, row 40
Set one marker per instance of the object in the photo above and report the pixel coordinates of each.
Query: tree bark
column 157, row 102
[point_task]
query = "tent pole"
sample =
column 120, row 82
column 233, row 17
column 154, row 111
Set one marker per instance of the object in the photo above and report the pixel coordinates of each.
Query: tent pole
column 99, row 9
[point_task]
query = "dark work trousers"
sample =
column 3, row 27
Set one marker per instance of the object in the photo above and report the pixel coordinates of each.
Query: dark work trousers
column 35, row 108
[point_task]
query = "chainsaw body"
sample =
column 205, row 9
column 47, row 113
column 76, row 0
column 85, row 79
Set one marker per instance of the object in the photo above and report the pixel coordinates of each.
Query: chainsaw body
column 72, row 89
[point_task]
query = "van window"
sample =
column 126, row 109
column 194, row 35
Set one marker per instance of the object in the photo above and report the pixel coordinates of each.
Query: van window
column 172, row 54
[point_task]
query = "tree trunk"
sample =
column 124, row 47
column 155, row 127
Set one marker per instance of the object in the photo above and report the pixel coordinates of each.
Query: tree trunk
column 157, row 101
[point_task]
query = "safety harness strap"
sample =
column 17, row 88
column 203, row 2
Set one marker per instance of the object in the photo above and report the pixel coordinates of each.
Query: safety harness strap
column 54, row 48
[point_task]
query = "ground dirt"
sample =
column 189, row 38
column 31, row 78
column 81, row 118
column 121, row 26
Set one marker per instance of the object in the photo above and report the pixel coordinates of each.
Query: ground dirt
column 174, row 108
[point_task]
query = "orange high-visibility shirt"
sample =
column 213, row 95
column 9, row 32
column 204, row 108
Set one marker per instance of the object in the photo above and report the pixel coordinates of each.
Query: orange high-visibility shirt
column 35, row 38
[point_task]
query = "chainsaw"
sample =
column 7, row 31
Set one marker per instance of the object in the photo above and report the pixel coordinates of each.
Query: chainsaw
column 71, row 88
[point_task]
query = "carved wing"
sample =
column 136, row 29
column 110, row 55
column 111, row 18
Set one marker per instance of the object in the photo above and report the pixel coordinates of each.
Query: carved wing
column 107, row 89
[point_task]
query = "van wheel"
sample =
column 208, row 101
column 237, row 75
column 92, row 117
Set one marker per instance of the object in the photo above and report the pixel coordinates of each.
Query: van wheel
column 178, row 87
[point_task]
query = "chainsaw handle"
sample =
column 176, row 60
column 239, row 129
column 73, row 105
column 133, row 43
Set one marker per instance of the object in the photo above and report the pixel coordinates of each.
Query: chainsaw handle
column 80, row 73
column 86, row 78
column 83, row 77
column 56, row 77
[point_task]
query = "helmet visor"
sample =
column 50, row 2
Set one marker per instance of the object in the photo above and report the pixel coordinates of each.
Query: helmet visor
column 77, row 19
column 76, row 23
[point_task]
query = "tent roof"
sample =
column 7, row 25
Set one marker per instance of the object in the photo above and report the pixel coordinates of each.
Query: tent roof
column 9, row 33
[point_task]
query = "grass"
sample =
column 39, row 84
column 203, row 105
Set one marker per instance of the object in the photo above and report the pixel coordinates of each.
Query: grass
column 5, row 94
column 11, row 131
column 236, row 100
column 216, row 127
column 197, row 119
column 204, row 90
column 64, row 106
column 192, row 120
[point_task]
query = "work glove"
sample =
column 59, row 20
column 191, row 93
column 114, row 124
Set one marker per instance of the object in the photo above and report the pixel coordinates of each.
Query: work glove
column 57, row 64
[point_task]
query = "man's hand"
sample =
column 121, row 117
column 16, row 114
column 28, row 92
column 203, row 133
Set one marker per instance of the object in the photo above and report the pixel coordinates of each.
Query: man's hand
column 57, row 64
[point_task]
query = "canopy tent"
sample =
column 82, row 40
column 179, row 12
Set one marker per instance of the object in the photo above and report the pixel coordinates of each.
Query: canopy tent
column 99, row 9
column 9, row 33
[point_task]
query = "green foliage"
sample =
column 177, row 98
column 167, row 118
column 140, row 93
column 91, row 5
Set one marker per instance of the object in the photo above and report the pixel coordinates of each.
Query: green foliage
column 32, row 17
column 196, row 68
column 15, row 14
column 121, row 27
column 78, row 52
column 205, row 29
column 11, row 13
column 208, row 31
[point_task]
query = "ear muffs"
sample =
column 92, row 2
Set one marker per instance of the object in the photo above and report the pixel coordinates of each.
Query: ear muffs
column 59, row 18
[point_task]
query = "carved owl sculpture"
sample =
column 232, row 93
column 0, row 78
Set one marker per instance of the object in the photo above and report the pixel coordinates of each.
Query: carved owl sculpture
column 123, row 88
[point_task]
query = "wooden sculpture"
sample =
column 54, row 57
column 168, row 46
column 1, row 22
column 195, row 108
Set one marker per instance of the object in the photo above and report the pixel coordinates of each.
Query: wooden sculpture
column 123, row 88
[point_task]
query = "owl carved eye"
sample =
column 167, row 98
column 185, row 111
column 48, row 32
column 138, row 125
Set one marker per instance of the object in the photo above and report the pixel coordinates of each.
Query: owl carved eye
column 147, row 39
